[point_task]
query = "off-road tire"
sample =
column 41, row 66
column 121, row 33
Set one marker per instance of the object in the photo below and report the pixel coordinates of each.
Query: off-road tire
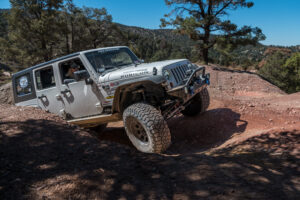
column 199, row 104
column 152, row 122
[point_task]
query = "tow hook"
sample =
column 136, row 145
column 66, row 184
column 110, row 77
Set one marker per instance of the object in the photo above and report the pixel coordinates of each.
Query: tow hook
column 191, row 90
column 207, row 77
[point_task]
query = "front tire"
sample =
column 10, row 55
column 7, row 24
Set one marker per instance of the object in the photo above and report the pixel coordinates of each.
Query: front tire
column 199, row 104
column 146, row 128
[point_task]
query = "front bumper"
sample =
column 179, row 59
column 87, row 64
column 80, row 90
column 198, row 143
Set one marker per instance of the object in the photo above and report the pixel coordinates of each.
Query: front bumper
column 194, row 84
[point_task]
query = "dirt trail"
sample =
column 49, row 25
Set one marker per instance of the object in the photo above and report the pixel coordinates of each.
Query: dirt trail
column 246, row 146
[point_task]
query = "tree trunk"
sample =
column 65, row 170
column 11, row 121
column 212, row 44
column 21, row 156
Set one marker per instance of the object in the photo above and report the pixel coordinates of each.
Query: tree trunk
column 44, row 50
column 67, row 43
column 72, row 37
column 205, row 55
column 206, row 43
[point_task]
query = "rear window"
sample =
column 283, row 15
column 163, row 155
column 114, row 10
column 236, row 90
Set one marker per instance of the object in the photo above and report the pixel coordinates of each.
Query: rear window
column 23, row 85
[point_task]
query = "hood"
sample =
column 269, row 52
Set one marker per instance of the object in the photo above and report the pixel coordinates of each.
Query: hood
column 144, row 69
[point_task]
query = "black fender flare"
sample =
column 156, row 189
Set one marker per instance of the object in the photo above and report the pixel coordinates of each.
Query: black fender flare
column 129, row 85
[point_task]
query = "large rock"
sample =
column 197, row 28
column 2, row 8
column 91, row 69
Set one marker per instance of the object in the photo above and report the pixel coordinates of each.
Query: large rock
column 6, row 94
column 6, row 74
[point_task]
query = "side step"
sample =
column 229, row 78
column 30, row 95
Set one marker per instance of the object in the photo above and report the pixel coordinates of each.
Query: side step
column 95, row 120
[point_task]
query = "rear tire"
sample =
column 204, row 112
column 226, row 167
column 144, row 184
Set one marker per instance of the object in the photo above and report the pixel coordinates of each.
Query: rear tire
column 199, row 104
column 146, row 128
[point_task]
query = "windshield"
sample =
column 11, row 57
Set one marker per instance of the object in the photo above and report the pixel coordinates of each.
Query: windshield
column 107, row 59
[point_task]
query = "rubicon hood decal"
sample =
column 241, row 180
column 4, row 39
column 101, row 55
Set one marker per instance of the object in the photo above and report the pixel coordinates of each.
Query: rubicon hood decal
column 130, row 74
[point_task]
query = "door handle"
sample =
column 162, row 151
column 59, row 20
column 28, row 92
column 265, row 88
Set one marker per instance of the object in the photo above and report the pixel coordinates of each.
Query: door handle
column 58, row 97
column 65, row 91
column 42, row 96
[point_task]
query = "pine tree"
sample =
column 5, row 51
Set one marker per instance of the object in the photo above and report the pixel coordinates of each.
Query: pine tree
column 274, row 70
column 33, row 30
column 292, row 68
column 3, row 23
column 200, row 19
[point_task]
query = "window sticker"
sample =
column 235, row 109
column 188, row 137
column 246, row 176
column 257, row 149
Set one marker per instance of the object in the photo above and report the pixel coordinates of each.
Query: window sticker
column 23, row 82
column 23, row 85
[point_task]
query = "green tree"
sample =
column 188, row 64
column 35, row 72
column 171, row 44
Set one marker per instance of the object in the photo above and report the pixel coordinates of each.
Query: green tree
column 200, row 19
column 98, row 25
column 283, row 71
column 42, row 30
column 3, row 23
column 32, row 30
column 85, row 28
column 68, row 19
column 292, row 70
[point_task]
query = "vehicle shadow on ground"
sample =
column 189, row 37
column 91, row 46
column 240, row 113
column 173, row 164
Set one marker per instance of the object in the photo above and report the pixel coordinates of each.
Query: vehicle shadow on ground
column 112, row 134
column 205, row 131
column 190, row 134
column 41, row 159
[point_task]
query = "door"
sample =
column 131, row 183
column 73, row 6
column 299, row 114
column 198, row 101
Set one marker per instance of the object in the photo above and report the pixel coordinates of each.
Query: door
column 81, row 98
column 47, row 91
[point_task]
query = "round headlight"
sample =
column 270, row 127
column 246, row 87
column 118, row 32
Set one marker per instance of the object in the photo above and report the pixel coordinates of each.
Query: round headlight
column 166, row 74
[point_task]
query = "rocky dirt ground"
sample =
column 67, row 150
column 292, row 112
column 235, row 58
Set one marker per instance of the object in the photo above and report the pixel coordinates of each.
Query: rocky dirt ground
column 246, row 146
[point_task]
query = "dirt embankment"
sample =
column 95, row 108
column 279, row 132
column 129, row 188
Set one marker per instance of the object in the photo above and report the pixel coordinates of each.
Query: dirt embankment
column 246, row 146
column 226, row 83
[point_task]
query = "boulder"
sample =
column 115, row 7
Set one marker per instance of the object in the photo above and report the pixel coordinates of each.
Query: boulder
column 6, row 94
column 6, row 74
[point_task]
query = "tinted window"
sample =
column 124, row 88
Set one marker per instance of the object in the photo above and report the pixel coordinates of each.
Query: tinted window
column 44, row 78
column 23, row 85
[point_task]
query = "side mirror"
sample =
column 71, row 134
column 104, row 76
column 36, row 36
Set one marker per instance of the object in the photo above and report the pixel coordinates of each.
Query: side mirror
column 89, row 81
column 81, row 75
column 101, row 70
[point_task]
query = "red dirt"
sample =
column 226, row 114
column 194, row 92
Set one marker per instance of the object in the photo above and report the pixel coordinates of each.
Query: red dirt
column 246, row 146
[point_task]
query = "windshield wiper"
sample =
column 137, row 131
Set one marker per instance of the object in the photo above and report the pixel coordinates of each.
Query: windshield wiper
column 110, row 67
column 124, row 64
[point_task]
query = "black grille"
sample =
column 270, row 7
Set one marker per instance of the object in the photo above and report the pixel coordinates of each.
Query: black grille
column 179, row 73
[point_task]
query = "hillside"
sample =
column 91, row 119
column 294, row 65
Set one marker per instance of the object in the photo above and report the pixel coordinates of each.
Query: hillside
column 161, row 44
column 246, row 146
column 162, row 34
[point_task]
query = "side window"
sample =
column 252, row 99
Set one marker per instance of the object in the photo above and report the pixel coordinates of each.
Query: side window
column 68, row 68
column 23, row 85
column 44, row 78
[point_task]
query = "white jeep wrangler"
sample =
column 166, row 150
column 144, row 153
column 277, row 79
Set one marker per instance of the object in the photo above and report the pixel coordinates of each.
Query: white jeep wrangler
column 94, row 87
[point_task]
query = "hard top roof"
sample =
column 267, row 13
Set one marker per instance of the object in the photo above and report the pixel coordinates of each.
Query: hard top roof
column 64, row 57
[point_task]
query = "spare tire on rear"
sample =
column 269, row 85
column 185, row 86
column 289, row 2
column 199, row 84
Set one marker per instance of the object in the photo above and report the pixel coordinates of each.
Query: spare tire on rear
column 146, row 128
